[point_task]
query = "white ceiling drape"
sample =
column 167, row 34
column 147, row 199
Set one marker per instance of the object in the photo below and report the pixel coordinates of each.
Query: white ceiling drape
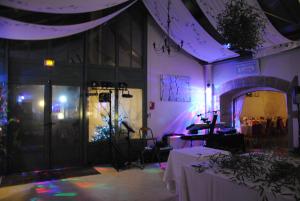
column 61, row 6
column 12, row 29
column 197, row 41
column 271, row 37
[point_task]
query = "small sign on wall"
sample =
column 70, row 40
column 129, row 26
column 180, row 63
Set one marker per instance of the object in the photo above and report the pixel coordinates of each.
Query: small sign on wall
column 175, row 88
column 250, row 67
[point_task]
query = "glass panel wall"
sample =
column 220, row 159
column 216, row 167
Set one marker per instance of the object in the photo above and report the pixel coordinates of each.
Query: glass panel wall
column 124, row 40
column 108, row 47
column 98, row 115
column 67, row 50
column 118, row 42
column 65, row 150
column 129, row 110
column 137, row 44
column 26, row 127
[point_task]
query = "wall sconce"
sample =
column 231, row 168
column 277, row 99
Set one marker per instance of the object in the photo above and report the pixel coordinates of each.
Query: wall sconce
column 49, row 63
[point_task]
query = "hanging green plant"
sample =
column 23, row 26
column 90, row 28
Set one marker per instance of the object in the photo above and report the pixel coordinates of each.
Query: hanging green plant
column 241, row 26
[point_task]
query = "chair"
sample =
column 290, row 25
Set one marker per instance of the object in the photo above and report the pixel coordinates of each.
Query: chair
column 280, row 126
column 257, row 134
column 156, row 148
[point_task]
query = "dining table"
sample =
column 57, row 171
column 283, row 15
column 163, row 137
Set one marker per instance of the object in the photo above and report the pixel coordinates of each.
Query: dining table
column 203, row 182
column 179, row 158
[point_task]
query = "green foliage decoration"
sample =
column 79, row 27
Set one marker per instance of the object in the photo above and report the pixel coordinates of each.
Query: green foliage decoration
column 241, row 26
column 269, row 174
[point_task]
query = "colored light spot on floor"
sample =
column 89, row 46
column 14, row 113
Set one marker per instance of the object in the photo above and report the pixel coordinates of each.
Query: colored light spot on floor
column 103, row 186
column 152, row 170
column 40, row 186
column 34, row 199
column 42, row 183
column 105, row 169
column 70, row 179
column 52, row 186
column 42, row 190
column 65, row 194
column 85, row 184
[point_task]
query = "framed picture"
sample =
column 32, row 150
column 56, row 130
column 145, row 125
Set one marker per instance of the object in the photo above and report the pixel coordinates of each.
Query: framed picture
column 175, row 88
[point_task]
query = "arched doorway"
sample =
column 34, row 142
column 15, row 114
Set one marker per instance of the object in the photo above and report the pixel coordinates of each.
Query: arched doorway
column 228, row 91
column 261, row 115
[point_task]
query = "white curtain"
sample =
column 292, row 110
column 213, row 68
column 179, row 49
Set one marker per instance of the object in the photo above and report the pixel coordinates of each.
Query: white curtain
column 61, row 6
column 238, row 108
column 17, row 30
column 196, row 41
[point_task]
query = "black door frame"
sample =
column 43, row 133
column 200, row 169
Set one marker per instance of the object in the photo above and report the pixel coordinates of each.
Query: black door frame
column 48, row 154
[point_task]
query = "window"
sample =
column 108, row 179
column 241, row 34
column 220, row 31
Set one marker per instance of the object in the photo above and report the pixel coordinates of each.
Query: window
column 129, row 110
column 124, row 40
column 119, row 41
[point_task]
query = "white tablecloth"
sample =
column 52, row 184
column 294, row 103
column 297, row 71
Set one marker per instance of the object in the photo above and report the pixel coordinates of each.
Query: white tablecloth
column 178, row 158
column 208, row 186
column 177, row 143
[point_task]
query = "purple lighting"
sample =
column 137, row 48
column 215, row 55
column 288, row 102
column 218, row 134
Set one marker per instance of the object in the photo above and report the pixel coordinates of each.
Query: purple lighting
column 20, row 99
column 227, row 45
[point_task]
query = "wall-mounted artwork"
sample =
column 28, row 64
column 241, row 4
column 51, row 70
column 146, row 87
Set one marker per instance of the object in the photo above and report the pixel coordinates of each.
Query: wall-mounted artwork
column 175, row 88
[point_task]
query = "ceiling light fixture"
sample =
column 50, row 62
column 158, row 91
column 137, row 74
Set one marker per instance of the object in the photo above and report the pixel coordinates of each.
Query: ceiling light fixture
column 167, row 44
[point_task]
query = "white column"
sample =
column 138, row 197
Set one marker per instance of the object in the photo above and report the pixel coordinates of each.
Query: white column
column 208, row 88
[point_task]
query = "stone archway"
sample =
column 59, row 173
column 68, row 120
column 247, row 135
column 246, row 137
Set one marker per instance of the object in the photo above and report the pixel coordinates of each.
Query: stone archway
column 230, row 90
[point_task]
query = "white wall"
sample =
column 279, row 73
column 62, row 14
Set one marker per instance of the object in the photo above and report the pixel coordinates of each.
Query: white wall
column 172, row 116
column 285, row 65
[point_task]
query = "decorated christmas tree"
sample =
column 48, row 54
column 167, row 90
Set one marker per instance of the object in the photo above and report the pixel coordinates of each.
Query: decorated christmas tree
column 102, row 132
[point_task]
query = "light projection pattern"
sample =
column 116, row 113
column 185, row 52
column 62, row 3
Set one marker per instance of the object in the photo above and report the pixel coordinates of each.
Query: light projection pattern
column 190, row 114
column 67, row 189
column 17, row 30
column 197, row 41
column 61, row 6
column 175, row 88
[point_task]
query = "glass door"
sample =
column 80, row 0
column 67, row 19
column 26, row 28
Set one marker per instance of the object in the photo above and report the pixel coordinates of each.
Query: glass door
column 65, row 126
column 44, row 127
column 27, row 137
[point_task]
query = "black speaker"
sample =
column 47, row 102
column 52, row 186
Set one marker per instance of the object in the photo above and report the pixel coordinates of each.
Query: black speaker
column 104, row 97
column 296, row 95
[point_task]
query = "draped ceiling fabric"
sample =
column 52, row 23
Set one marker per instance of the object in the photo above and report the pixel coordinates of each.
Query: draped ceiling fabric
column 61, row 6
column 12, row 29
column 197, row 41
column 274, row 42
